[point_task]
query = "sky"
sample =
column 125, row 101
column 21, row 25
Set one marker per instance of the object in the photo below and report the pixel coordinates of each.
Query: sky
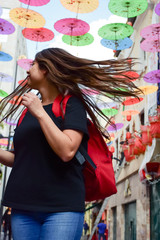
column 54, row 11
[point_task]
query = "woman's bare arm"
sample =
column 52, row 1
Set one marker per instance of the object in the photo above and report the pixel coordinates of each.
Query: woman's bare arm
column 6, row 158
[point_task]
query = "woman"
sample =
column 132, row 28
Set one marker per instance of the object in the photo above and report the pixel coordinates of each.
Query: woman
column 45, row 188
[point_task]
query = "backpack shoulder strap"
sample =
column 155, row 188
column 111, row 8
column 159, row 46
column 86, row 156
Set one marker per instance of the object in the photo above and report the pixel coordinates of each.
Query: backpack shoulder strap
column 22, row 116
column 56, row 107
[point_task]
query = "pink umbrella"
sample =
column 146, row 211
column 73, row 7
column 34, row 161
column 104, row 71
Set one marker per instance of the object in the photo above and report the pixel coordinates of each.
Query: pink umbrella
column 38, row 34
column 90, row 91
column 157, row 9
column 152, row 77
column 151, row 32
column 35, row 2
column 6, row 27
column 72, row 26
column 25, row 63
column 150, row 45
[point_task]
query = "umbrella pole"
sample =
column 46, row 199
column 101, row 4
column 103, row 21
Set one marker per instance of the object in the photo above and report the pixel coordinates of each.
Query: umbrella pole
column 77, row 10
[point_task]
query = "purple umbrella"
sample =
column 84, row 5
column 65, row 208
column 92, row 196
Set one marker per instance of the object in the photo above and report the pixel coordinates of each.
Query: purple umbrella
column 152, row 77
column 115, row 127
column 157, row 9
column 0, row 11
column 5, row 77
column 6, row 27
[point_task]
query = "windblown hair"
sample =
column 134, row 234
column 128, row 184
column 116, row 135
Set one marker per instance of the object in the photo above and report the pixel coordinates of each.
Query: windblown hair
column 70, row 74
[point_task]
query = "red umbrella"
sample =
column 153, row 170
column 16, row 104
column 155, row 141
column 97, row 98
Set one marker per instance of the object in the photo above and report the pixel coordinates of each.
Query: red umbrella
column 35, row 2
column 72, row 26
column 38, row 34
column 132, row 75
column 131, row 101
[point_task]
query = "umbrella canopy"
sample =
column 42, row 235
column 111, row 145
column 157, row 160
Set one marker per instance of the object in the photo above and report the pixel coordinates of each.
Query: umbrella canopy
column 11, row 122
column 5, row 57
column 117, row 44
column 152, row 77
column 0, row 11
column 148, row 89
column 22, row 82
column 35, row 2
column 115, row 127
column 115, row 31
column 27, row 18
column 157, row 9
column 90, row 91
column 38, row 34
column 72, row 26
column 133, row 76
column 15, row 101
column 151, row 32
column 80, row 6
column 82, row 40
column 5, row 77
column 6, row 27
column 130, row 112
column 128, row 8
column 3, row 93
column 25, row 63
column 131, row 101
column 3, row 141
column 109, row 111
column 150, row 45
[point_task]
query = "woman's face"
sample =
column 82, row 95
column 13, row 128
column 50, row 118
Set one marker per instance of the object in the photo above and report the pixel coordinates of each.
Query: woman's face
column 36, row 76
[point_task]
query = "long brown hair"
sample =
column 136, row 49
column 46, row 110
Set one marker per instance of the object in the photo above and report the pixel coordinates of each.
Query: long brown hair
column 70, row 74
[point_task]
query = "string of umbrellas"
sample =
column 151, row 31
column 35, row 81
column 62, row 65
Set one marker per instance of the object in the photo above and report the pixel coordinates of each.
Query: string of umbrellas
column 75, row 32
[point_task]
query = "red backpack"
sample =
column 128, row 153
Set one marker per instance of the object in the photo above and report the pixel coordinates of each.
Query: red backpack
column 98, row 170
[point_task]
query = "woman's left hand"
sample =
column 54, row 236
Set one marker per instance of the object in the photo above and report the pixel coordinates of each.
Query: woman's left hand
column 33, row 103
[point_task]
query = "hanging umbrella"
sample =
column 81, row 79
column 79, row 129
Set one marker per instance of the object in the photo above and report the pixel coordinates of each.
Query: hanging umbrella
column 82, row 40
column 25, row 63
column 72, row 26
column 115, row 31
column 14, row 100
column 27, row 18
column 5, row 77
column 5, row 57
column 117, row 44
column 22, row 82
column 3, row 141
column 38, row 34
column 6, row 27
column 151, row 32
column 80, row 6
column 133, row 76
column 35, row 2
column 152, row 77
column 130, row 112
column 131, row 101
column 157, row 9
column 0, row 11
column 115, row 127
column 150, row 45
column 148, row 89
column 11, row 122
column 107, row 105
column 3, row 93
column 109, row 111
column 127, row 8
column 90, row 91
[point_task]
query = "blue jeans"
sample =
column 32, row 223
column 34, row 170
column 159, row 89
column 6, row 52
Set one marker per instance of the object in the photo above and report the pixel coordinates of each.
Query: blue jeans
column 101, row 236
column 28, row 225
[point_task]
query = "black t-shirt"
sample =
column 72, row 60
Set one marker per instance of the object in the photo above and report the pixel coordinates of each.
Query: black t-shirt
column 40, row 180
